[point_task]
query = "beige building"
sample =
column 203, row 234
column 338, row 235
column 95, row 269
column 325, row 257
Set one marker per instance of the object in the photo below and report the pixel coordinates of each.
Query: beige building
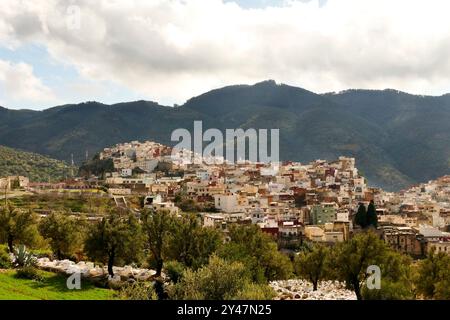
column 13, row 182
column 440, row 247
column 314, row 233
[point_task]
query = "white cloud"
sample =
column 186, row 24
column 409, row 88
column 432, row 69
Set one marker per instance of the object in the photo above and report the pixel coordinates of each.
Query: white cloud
column 171, row 50
column 18, row 85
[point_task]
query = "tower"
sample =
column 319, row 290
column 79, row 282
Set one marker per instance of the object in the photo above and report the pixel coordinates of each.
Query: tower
column 71, row 166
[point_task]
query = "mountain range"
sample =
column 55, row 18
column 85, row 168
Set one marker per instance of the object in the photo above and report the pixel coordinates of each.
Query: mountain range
column 398, row 138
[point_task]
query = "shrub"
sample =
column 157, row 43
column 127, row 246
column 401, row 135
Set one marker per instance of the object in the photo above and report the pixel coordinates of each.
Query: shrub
column 137, row 291
column 42, row 253
column 174, row 270
column 5, row 260
column 219, row 280
column 389, row 291
column 30, row 273
column 254, row 291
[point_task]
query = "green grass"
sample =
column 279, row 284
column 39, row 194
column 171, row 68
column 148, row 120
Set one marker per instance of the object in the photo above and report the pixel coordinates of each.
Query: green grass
column 53, row 287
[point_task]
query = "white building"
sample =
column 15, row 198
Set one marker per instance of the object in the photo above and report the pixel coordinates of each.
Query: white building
column 226, row 203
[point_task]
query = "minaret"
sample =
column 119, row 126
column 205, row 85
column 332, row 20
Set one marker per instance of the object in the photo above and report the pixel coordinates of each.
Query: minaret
column 72, row 165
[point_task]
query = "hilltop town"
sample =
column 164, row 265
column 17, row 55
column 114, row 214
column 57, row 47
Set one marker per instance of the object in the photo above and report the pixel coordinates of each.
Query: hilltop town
column 297, row 202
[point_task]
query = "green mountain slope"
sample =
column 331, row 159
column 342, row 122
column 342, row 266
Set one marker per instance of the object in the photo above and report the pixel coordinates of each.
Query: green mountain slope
column 38, row 168
column 397, row 138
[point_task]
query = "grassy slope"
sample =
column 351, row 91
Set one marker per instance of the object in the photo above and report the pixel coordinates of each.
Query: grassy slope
column 52, row 288
column 36, row 167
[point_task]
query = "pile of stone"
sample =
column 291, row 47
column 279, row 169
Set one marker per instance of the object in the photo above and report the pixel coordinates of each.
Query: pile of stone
column 297, row 289
column 90, row 271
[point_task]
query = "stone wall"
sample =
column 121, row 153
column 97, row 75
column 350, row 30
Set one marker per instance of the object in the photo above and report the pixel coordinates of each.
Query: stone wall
column 90, row 271
column 303, row 290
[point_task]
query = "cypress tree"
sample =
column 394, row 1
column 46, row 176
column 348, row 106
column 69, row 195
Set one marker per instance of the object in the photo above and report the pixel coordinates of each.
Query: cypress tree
column 372, row 219
column 361, row 216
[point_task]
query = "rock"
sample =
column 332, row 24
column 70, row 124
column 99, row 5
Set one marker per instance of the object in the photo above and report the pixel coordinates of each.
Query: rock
column 96, row 272
column 300, row 289
column 90, row 271
column 72, row 269
column 115, row 279
column 144, row 276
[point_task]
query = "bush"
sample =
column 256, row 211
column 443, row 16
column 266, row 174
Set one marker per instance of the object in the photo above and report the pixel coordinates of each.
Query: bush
column 137, row 291
column 254, row 291
column 174, row 270
column 30, row 273
column 389, row 291
column 219, row 280
column 5, row 260
column 432, row 276
column 42, row 253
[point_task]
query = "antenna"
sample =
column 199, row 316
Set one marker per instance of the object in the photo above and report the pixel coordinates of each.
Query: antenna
column 72, row 165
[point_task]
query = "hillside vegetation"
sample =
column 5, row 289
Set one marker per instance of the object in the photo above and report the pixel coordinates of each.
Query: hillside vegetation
column 37, row 167
column 397, row 138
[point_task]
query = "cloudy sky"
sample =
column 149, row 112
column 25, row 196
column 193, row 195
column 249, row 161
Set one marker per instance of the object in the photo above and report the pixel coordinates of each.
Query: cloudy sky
column 66, row 51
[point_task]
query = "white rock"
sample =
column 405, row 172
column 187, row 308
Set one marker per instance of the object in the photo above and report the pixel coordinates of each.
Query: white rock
column 327, row 290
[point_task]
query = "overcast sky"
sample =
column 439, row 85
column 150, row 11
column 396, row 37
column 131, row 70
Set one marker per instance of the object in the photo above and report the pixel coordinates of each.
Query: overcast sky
column 57, row 51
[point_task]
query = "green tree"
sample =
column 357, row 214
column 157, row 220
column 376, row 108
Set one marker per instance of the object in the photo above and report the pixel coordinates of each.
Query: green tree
column 351, row 259
column 218, row 280
column 433, row 276
column 116, row 238
column 396, row 280
column 65, row 234
column 157, row 226
column 174, row 269
column 258, row 252
column 361, row 216
column 372, row 219
column 5, row 259
column 191, row 243
column 312, row 264
column 18, row 226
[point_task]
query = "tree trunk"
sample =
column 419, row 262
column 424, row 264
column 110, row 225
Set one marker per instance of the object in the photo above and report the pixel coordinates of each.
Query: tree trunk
column 357, row 290
column 159, row 289
column 159, row 266
column 10, row 243
column 111, row 264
